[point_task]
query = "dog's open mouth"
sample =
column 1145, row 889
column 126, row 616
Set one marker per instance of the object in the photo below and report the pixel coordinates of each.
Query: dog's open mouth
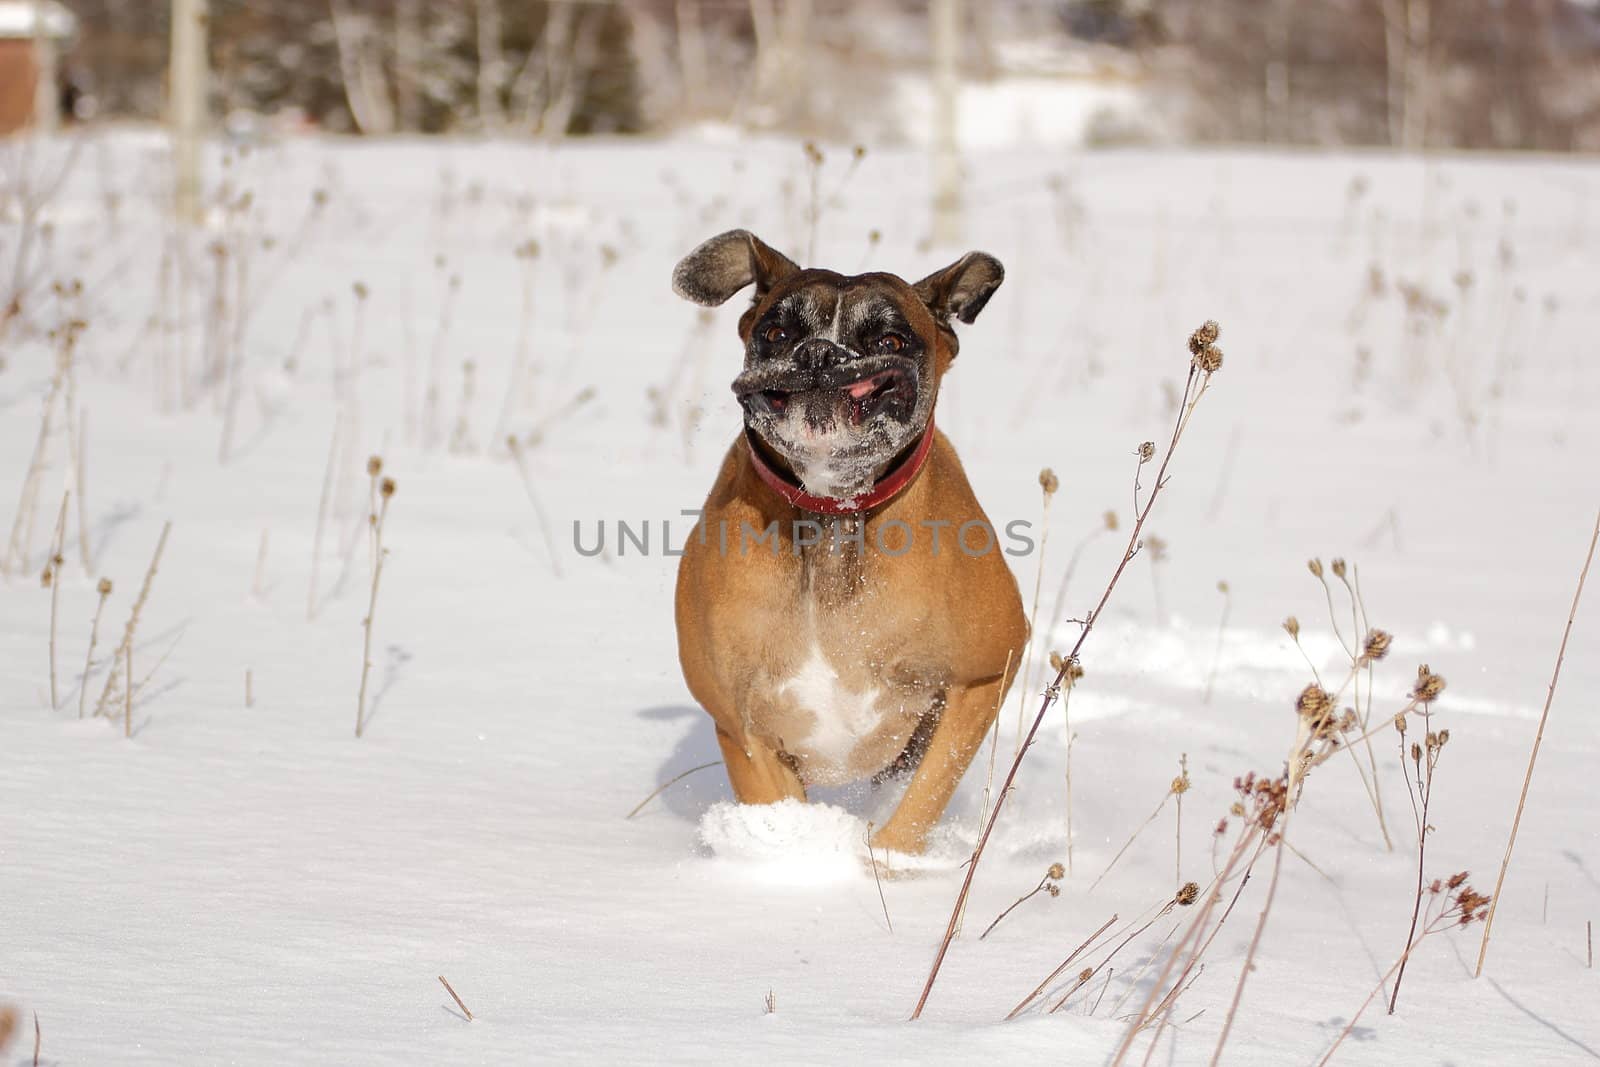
column 891, row 389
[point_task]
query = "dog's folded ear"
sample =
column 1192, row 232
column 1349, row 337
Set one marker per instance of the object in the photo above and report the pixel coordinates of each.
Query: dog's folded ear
column 727, row 263
column 962, row 288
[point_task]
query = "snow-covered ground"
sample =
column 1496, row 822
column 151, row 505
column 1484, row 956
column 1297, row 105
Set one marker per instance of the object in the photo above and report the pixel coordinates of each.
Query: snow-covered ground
column 253, row 884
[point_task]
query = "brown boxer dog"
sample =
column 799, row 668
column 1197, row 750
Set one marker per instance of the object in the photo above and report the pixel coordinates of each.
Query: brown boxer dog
column 843, row 609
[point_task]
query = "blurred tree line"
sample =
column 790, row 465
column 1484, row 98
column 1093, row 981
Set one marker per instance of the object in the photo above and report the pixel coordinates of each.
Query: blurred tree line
column 381, row 66
column 1409, row 73
column 1483, row 74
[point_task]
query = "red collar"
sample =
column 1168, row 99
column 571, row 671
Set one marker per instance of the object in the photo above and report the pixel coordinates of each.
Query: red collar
column 881, row 492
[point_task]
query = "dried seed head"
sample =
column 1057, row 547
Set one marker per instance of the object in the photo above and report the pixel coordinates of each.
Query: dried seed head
column 47, row 576
column 1049, row 482
column 1315, row 567
column 1070, row 671
column 1444, row 738
column 1471, row 904
column 1456, row 880
column 1316, row 707
column 1180, row 784
column 1188, row 894
column 1338, row 568
column 1057, row 871
column 105, row 587
column 1291, row 626
column 1147, row 451
column 1053, row 889
column 360, row 289
column 387, row 488
column 1209, row 359
column 1206, row 335
column 1157, row 549
column 1222, row 587
column 374, row 466
column 1377, row 645
column 1416, row 752
column 1400, row 722
column 1429, row 685
column 1085, row 974
column 1314, row 702
column 1111, row 520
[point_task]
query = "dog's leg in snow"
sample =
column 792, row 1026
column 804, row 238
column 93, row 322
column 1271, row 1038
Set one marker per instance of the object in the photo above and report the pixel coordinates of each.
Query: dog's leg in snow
column 757, row 772
column 968, row 714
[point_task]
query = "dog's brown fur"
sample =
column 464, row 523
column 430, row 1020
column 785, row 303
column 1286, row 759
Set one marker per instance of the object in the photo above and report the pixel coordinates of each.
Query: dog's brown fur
column 929, row 632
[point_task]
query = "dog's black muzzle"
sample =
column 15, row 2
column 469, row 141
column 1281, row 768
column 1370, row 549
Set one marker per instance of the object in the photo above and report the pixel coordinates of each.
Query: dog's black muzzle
column 862, row 386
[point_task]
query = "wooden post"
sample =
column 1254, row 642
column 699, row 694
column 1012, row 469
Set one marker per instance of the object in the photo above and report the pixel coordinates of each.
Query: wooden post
column 187, row 103
column 945, row 16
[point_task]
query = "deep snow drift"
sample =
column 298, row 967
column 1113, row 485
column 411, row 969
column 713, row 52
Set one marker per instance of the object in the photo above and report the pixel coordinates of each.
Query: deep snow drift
column 1408, row 384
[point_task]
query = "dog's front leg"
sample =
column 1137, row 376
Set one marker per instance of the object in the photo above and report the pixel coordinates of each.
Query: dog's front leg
column 757, row 772
column 967, row 717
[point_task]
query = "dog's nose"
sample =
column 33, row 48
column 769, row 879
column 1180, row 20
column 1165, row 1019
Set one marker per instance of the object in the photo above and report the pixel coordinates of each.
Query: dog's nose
column 819, row 355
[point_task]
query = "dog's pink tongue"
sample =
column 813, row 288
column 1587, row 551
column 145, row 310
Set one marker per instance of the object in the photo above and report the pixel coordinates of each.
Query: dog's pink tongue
column 863, row 387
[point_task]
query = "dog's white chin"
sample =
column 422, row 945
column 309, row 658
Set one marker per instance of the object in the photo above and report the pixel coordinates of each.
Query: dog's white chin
column 830, row 463
column 824, row 469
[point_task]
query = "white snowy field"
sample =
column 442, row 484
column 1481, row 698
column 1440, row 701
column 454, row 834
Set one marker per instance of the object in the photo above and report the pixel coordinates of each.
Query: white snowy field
column 1409, row 385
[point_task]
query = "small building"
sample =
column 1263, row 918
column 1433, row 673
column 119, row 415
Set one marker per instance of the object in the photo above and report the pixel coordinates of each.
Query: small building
column 32, row 35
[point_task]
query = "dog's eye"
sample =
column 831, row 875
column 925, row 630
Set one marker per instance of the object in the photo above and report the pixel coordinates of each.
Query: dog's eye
column 891, row 343
column 775, row 335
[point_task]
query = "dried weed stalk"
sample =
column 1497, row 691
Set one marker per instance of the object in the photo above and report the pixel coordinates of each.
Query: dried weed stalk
column 376, row 518
column 1538, row 738
column 1048, row 484
column 1176, row 788
column 104, row 589
column 456, row 997
column 878, row 880
column 1263, row 807
column 668, row 784
column 1451, row 903
column 124, row 649
column 1424, row 757
column 52, row 581
column 1205, row 360
column 21, row 541
column 1260, row 804
column 1047, row 884
column 1053, row 975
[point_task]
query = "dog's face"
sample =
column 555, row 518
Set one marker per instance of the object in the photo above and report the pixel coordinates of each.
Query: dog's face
column 841, row 372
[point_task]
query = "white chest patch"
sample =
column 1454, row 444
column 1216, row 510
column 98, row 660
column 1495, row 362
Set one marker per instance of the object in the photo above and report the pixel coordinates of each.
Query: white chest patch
column 843, row 717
